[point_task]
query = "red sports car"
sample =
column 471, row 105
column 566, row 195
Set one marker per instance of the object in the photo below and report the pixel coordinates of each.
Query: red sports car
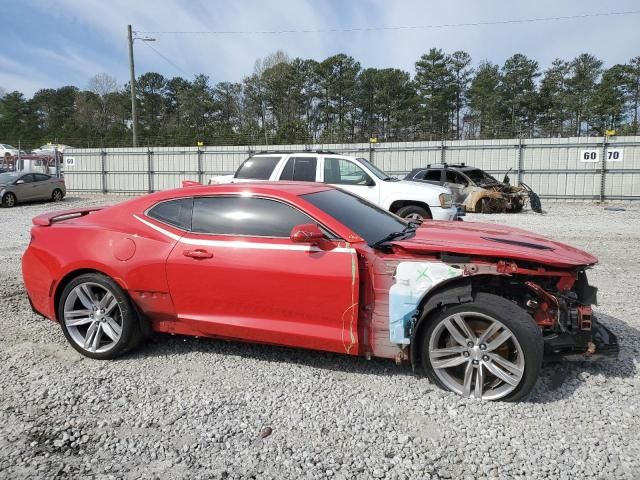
column 476, row 306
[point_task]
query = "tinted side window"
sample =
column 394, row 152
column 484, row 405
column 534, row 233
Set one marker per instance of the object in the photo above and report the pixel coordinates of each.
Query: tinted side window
column 301, row 169
column 40, row 177
column 174, row 212
column 27, row 178
column 255, row 217
column 433, row 175
column 343, row 172
column 257, row 168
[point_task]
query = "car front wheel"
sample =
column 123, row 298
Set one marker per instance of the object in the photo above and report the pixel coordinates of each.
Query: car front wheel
column 97, row 317
column 8, row 200
column 413, row 212
column 489, row 349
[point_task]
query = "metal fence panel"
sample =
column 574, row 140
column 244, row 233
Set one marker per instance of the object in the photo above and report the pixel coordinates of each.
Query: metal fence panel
column 554, row 167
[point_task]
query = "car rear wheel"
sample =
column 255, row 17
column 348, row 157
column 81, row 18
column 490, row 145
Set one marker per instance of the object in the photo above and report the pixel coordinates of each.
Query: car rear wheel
column 57, row 195
column 97, row 317
column 413, row 212
column 488, row 349
column 8, row 200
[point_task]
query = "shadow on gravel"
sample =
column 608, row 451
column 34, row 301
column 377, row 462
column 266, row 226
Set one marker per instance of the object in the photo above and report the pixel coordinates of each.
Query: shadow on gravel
column 561, row 380
column 161, row 345
column 558, row 380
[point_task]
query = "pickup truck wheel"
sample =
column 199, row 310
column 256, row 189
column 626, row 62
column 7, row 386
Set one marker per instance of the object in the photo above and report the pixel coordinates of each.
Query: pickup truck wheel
column 9, row 200
column 488, row 349
column 413, row 212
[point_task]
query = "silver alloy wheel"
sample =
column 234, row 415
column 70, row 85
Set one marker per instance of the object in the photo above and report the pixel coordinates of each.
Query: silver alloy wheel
column 93, row 317
column 476, row 356
column 10, row 200
column 57, row 195
column 414, row 216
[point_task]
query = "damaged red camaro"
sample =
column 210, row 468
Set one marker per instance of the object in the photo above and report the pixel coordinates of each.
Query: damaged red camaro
column 476, row 306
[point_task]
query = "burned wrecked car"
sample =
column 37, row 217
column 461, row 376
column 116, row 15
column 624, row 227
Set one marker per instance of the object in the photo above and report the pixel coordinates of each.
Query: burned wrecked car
column 478, row 191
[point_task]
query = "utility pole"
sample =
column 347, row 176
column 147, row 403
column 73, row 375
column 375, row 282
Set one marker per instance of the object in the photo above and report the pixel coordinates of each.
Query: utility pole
column 134, row 118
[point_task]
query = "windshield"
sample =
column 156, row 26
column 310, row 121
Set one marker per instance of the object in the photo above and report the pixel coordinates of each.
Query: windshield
column 479, row 177
column 376, row 171
column 367, row 220
column 7, row 177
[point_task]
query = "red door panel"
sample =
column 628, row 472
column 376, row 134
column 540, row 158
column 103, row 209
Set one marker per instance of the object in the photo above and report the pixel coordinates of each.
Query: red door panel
column 266, row 290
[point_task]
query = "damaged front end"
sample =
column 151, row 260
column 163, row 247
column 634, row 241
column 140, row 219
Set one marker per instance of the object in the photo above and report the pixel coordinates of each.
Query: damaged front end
column 501, row 198
column 571, row 329
column 561, row 305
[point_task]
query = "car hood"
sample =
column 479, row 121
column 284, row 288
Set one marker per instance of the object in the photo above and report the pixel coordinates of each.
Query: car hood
column 496, row 241
column 418, row 188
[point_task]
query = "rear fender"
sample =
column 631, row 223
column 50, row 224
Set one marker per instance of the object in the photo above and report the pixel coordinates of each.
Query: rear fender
column 74, row 270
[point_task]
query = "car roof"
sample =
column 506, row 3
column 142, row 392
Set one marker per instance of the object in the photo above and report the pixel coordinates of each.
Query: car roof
column 284, row 189
column 296, row 152
column 466, row 168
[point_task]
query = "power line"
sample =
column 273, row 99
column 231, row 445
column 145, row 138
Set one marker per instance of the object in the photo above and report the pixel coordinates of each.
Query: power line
column 166, row 59
column 393, row 28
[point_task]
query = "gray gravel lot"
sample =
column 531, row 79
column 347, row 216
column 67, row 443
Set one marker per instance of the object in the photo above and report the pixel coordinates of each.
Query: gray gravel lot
column 195, row 408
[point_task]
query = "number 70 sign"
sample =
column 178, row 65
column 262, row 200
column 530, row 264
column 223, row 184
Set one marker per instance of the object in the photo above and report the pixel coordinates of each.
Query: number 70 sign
column 593, row 156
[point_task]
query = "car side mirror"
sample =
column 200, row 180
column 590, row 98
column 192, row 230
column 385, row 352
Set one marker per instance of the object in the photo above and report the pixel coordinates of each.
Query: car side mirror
column 310, row 233
column 19, row 182
column 370, row 182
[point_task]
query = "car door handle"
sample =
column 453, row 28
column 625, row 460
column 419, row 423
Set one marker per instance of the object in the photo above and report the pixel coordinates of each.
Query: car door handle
column 198, row 253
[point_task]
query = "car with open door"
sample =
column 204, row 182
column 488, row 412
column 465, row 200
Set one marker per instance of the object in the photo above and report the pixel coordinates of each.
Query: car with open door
column 477, row 307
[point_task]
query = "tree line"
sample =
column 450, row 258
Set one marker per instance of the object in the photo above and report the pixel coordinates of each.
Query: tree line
column 335, row 100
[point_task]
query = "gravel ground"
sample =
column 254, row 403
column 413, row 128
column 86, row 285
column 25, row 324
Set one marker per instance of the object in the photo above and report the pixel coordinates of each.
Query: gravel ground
column 197, row 408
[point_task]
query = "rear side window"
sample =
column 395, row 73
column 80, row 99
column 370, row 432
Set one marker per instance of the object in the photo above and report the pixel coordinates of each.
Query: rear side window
column 256, row 217
column 174, row 212
column 257, row 168
column 433, row 175
column 300, row 169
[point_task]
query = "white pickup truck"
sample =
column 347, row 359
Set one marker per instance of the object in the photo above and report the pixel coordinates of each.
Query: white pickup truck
column 409, row 200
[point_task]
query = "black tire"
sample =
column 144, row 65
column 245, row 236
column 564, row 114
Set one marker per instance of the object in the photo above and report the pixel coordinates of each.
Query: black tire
column 57, row 195
column 9, row 200
column 131, row 334
column 414, row 212
column 517, row 320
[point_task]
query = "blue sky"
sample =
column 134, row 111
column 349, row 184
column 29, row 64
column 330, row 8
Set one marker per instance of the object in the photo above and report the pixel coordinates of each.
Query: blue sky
column 65, row 42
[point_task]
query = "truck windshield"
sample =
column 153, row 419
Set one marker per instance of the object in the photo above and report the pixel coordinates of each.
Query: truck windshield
column 257, row 168
column 375, row 170
column 367, row 220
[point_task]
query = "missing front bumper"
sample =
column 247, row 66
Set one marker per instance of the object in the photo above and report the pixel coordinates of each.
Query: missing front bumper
column 597, row 344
